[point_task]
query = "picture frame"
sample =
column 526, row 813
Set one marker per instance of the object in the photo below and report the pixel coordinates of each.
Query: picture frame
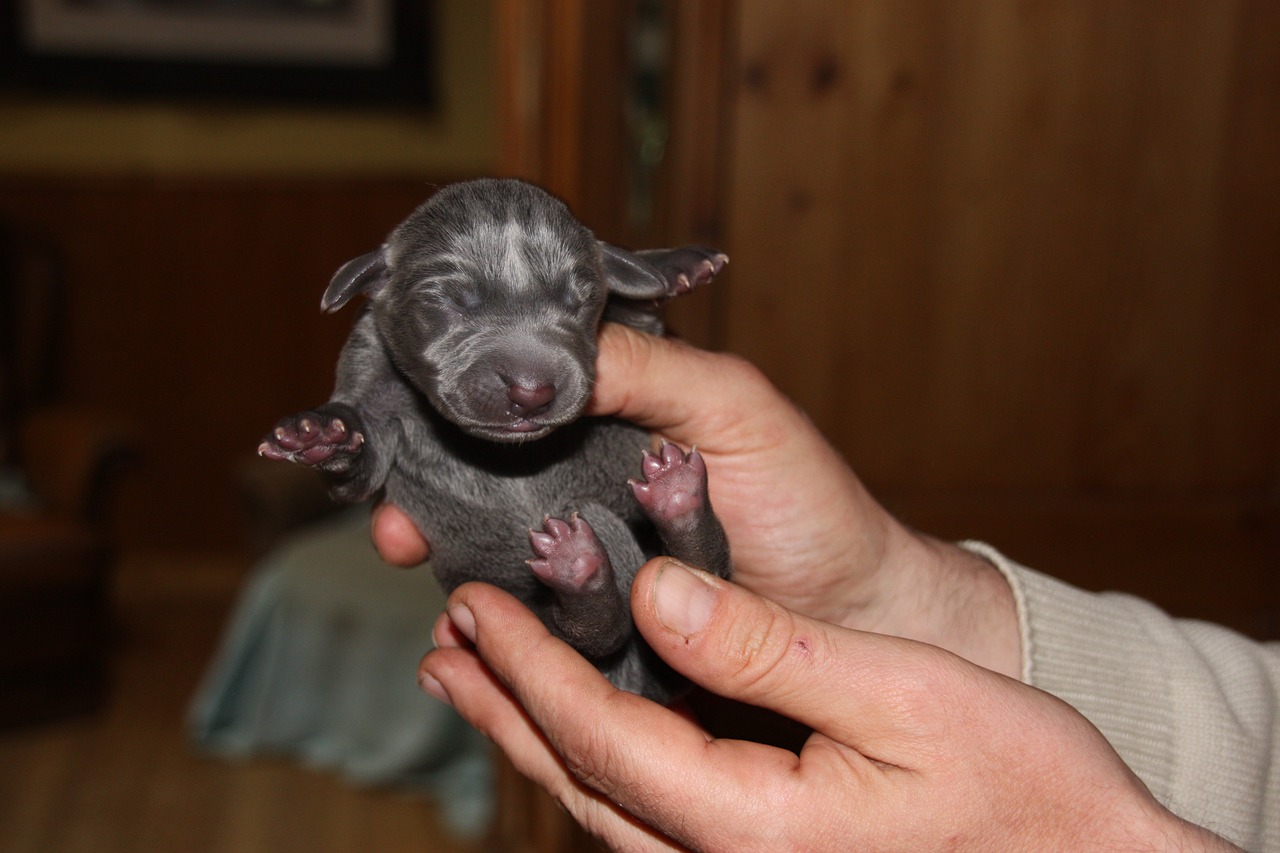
column 312, row 51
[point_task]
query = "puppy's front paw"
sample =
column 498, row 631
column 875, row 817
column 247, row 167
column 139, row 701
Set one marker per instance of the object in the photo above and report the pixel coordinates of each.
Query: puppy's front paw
column 312, row 438
column 674, row 485
column 702, row 271
column 570, row 557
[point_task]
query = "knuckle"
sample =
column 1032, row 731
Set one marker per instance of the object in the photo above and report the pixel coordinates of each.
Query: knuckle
column 758, row 651
column 589, row 759
column 777, row 819
column 590, row 754
column 738, row 373
column 914, row 696
column 598, row 765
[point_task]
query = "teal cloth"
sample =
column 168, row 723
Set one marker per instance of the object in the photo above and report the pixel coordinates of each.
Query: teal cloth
column 14, row 494
column 319, row 663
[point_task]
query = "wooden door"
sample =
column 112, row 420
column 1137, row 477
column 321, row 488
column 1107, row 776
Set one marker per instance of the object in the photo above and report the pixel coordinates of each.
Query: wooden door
column 1000, row 245
column 1017, row 260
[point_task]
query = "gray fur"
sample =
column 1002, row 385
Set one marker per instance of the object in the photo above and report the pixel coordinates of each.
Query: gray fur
column 459, row 398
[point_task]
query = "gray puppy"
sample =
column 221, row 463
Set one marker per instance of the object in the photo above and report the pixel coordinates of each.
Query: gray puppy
column 459, row 397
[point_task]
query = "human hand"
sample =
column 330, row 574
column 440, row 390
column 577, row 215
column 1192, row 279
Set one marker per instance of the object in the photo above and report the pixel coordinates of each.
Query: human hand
column 913, row 749
column 803, row 530
column 397, row 539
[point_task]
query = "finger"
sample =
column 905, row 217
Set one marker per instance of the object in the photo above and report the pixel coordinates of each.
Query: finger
column 654, row 763
column 748, row 433
column 483, row 701
column 396, row 538
column 445, row 634
column 683, row 392
column 878, row 694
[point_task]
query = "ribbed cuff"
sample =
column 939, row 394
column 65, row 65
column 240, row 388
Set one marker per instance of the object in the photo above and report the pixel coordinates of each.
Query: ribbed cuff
column 1079, row 646
column 1192, row 708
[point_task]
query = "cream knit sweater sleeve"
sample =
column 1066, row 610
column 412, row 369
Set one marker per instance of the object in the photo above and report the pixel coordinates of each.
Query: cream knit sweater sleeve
column 1192, row 708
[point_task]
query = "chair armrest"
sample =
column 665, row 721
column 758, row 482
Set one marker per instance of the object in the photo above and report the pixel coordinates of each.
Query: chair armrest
column 71, row 456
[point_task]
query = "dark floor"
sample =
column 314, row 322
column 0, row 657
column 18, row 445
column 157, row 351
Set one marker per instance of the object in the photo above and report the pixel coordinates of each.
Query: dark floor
column 125, row 779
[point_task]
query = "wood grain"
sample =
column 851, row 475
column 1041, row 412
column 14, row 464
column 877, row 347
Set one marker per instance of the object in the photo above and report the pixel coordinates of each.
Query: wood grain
column 1001, row 245
column 194, row 314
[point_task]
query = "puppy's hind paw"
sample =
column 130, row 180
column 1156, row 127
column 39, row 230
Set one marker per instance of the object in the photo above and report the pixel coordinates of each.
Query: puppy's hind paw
column 674, row 485
column 570, row 557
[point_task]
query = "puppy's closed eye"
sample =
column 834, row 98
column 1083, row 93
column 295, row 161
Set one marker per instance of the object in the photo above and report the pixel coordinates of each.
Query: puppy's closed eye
column 462, row 299
column 576, row 293
column 572, row 299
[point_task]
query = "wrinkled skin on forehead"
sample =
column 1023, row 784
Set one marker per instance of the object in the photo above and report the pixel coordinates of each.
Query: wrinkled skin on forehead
column 482, row 297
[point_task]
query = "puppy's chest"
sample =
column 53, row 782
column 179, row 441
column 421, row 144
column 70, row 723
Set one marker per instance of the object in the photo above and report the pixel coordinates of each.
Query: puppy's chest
column 590, row 460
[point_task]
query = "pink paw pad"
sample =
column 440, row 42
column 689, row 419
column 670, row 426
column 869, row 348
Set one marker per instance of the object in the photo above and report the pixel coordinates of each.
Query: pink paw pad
column 706, row 270
column 310, row 440
column 675, row 483
column 570, row 557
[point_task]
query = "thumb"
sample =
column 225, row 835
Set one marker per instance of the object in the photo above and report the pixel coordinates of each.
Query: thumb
column 685, row 393
column 881, row 695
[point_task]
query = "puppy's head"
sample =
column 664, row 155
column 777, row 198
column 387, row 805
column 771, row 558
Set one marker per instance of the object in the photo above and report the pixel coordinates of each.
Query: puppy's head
column 488, row 298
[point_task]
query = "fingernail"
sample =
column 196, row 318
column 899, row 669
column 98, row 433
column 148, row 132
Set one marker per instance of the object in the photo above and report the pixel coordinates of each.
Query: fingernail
column 441, row 636
column 464, row 620
column 684, row 599
column 433, row 687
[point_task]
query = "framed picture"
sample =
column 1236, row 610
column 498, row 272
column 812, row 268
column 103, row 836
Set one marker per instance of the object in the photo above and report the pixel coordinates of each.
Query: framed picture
column 322, row 51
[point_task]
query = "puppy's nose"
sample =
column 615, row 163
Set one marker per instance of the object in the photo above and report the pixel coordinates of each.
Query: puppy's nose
column 530, row 400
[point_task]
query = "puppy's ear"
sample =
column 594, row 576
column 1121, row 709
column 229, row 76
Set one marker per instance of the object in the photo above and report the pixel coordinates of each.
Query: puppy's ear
column 659, row 273
column 366, row 274
column 626, row 274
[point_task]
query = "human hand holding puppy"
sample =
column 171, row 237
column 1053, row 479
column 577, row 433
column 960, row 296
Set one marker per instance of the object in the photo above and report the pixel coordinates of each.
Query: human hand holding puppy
column 804, row 531
column 914, row 747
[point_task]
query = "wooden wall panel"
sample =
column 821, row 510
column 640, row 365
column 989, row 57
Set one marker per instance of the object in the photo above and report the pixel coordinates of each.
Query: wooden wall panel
column 1005, row 245
column 563, row 78
column 194, row 313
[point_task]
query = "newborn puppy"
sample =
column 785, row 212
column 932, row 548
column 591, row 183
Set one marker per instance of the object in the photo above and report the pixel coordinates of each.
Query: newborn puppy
column 460, row 395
